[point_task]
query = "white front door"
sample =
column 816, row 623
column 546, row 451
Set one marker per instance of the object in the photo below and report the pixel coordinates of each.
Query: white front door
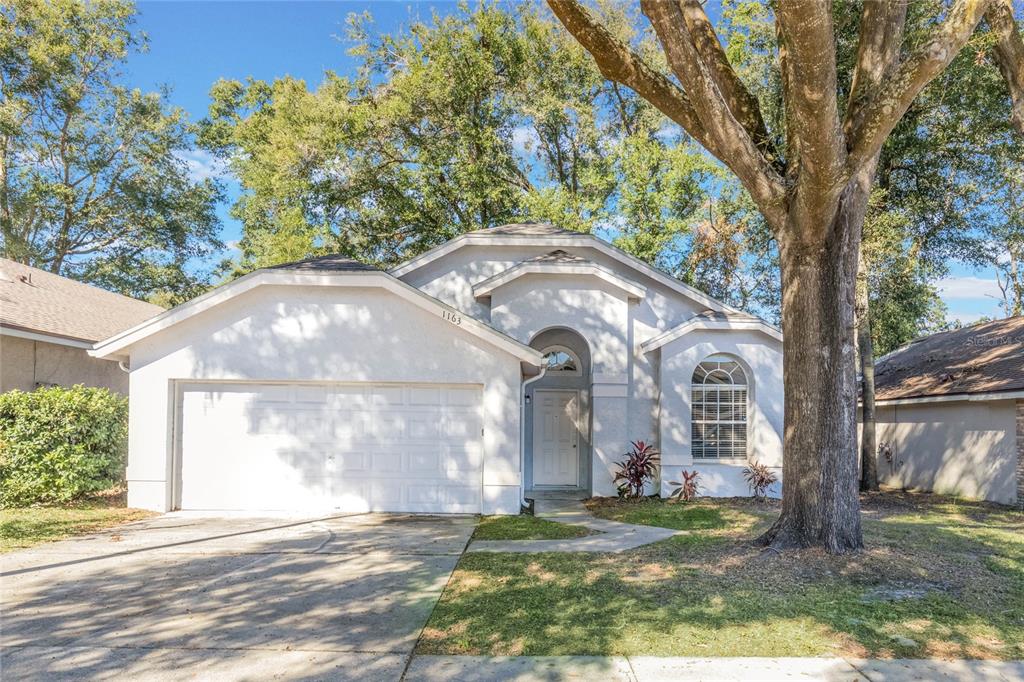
column 555, row 438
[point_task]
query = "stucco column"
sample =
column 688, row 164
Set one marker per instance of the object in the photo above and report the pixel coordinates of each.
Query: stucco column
column 610, row 406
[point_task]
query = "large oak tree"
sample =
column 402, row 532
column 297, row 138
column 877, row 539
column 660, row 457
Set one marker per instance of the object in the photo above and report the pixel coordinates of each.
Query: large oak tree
column 812, row 181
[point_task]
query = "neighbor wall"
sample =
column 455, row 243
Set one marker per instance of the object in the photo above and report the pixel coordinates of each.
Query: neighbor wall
column 26, row 364
column 967, row 448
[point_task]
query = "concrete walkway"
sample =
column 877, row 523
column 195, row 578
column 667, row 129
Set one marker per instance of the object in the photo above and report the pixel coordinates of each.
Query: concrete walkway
column 610, row 536
column 653, row 669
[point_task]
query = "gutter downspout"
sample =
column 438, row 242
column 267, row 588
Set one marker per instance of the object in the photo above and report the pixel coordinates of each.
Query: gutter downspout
column 522, row 437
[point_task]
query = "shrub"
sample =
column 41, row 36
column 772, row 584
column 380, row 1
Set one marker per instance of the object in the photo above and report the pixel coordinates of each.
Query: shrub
column 760, row 478
column 688, row 488
column 57, row 444
column 640, row 465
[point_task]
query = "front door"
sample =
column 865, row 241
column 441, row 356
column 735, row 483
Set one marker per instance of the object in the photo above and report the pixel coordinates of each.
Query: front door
column 555, row 438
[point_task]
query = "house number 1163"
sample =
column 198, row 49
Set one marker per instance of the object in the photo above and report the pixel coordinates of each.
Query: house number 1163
column 451, row 317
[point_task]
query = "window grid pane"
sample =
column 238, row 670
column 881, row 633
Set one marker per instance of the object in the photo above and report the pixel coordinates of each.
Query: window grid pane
column 719, row 415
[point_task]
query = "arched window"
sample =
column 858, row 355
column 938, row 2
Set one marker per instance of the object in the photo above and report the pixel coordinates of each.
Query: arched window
column 562, row 361
column 719, row 390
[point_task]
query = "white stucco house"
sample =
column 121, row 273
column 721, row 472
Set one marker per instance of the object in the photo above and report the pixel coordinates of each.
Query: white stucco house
column 507, row 361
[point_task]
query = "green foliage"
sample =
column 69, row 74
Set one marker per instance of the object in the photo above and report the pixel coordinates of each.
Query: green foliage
column 96, row 181
column 57, row 444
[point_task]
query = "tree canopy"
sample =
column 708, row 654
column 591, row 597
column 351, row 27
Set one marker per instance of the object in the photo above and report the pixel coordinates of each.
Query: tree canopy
column 93, row 183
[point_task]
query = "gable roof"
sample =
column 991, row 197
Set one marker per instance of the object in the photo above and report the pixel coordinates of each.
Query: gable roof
column 714, row 320
column 334, row 271
column 982, row 358
column 40, row 302
column 545, row 234
column 525, row 229
column 558, row 263
column 331, row 263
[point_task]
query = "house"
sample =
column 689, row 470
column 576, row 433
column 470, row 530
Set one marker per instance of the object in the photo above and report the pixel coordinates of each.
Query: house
column 48, row 323
column 507, row 361
column 950, row 413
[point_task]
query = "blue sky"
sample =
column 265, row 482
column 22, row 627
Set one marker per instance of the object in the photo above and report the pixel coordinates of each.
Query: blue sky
column 192, row 44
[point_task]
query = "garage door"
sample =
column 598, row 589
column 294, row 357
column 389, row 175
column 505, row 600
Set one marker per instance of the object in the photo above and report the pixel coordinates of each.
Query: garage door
column 348, row 447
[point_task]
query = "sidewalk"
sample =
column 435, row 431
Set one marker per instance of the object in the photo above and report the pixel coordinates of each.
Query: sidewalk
column 651, row 669
column 610, row 536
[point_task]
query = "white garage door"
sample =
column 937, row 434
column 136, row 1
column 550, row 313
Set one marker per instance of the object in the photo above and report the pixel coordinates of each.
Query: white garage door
column 348, row 447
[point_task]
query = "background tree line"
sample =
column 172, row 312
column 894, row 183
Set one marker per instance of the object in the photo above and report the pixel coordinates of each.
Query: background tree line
column 488, row 115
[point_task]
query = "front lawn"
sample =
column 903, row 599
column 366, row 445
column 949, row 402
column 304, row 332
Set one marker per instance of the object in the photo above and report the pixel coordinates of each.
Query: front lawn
column 23, row 527
column 938, row 579
column 525, row 527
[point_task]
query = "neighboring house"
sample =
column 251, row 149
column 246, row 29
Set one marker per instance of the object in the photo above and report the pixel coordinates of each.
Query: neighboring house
column 950, row 413
column 48, row 323
column 507, row 361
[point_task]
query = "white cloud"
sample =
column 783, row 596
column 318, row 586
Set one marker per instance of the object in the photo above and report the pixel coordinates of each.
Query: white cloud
column 668, row 132
column 233, row 245
column 524, row 140
column 203, row 165
column 958, row 288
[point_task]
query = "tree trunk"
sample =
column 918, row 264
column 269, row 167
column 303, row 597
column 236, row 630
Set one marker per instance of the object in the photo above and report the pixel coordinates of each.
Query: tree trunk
column 866, row 361
column 820, row 505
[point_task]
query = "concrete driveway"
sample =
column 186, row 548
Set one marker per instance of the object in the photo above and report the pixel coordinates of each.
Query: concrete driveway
column 183, row 597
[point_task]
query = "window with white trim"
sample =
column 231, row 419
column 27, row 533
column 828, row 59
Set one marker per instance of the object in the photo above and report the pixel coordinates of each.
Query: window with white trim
column 561, row 360
column 719, row 391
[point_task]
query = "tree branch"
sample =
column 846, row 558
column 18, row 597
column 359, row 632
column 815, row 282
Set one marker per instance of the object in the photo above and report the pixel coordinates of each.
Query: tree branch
column 882, row 111
column 1009, row 53
column 741, row 102
column 733, row 144
column 619, row 63
column 807, row 36
column 881, row 34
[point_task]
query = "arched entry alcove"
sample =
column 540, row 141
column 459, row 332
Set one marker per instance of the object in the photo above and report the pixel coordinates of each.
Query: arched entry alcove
column 558, row 415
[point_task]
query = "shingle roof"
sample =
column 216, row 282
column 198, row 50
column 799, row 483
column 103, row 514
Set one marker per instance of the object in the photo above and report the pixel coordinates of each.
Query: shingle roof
column 725, row 316
column 326, row 264
column 557, row 256
column 983, row 358
column 526, row 229
column 39, row 301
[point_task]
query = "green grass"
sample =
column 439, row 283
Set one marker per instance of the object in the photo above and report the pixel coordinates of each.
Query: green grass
column 936, row 580
column 525, row 528
column 23, row 527
column 700, row 515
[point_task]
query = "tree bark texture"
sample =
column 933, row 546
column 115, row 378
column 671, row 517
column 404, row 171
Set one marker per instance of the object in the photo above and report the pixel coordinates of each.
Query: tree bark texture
column 820, row 503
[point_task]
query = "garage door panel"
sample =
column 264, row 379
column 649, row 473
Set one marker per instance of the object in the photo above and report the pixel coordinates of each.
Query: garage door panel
column 347, row 447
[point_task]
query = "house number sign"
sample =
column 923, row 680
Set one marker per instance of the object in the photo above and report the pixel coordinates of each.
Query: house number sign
column 451, row 317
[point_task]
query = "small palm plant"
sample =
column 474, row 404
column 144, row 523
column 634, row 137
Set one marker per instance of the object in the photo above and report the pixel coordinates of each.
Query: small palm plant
column 640, row 466
column 687, row 489
column 760, row 478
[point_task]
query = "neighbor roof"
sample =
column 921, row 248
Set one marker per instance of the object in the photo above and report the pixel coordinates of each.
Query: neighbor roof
column 34, row 300
column 983, row 358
